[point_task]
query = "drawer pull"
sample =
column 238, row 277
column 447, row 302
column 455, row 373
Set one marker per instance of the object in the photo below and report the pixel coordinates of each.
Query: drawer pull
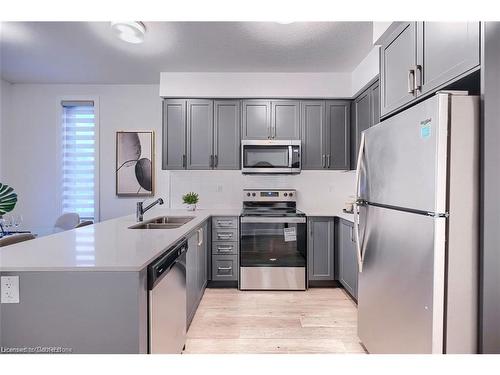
column 225, row 249
column 225, row 223
column 225, row 236
column 224, row 268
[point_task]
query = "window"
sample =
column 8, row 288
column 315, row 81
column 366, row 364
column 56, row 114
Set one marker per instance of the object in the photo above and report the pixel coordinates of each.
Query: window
column 79, row 167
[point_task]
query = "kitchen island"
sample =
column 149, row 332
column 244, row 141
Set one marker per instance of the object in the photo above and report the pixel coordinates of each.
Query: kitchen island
column 85, row 290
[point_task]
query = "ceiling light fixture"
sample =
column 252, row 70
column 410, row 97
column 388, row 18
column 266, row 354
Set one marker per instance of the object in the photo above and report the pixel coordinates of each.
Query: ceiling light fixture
column 131, row 32
column 285, row 22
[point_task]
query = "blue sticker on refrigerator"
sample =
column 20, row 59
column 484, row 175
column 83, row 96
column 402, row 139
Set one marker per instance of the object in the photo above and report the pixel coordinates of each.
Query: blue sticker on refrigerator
column 425, row 129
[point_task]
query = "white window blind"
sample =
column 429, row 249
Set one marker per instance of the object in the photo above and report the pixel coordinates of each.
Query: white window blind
column 79, row 159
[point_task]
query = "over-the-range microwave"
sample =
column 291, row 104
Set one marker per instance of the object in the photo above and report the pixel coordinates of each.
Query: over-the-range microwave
column 270, row 156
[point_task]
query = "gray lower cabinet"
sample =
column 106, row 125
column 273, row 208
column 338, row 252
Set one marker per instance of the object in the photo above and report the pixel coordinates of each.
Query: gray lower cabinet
column 421, row 57
column 199, row 134
column 338, row 122
column 320, row 249
column 174, row 134
column 313, row 134
column 365, row 114
column 285, row 119
column 226, row 149
column 224, row 267
column 325, row 128
column 256, row 119
column 347, row 264
column 196, row 269
column 225, row 248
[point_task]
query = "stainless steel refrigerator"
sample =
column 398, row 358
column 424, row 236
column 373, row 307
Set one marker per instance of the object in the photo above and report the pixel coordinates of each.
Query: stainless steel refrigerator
column 416, row 228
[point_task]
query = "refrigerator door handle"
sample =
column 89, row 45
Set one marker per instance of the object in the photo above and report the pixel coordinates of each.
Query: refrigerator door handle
column 359, row 202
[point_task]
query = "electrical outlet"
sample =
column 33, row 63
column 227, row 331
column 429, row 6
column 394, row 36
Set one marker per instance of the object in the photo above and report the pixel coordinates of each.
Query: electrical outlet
column 9, row 286
column 219, row 188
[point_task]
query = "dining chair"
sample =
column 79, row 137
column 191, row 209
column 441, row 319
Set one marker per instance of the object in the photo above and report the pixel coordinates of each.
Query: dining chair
column 67, row 221
column 84, row 223
column 16, row 238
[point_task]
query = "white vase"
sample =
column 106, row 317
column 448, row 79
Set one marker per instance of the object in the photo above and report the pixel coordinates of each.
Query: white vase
column 191, row 207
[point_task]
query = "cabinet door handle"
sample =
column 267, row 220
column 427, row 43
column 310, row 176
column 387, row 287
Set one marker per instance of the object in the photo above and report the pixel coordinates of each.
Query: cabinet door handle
column 411, row 81
column 211, row 161
column 328, row 160
column 418, row 78
column 216, row 163
column 323, row 161
column 200, row 236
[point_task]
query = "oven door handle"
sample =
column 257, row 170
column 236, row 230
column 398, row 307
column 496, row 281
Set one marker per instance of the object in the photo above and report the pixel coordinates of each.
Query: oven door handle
column 283, row 220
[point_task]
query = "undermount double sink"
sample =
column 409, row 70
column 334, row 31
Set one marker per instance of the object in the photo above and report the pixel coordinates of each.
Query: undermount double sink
column 163, row 222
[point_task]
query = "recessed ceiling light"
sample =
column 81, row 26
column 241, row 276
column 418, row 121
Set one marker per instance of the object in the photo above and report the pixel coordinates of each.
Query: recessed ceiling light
column 131, row 32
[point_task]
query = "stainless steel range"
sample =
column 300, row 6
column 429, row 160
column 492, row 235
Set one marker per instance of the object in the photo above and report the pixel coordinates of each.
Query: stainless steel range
column 273, row 246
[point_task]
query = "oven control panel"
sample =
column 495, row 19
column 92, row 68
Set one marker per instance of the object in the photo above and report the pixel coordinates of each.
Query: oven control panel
column 276, row 195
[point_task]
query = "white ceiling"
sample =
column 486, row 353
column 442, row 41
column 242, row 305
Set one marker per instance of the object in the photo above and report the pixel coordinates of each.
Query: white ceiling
column 89, row 52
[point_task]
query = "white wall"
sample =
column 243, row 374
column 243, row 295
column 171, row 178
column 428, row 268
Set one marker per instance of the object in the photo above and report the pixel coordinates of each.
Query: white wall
column 30, row 157
column 256, row 85
column 30, row 151
column 379, row 28
column 4, row 111
column 366, row 71
column 318, row 192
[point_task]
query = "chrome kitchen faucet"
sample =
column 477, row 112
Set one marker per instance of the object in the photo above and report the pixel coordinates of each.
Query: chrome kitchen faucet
column 142, row 210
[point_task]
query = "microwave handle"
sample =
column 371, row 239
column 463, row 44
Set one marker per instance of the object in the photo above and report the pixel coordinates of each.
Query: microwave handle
column 290, row 156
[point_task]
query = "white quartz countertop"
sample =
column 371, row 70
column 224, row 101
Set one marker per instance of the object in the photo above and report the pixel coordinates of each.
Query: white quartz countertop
column 106, row 246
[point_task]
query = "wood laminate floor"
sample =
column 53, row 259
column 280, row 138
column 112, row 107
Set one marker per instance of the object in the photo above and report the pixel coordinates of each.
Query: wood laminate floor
column 319, row 320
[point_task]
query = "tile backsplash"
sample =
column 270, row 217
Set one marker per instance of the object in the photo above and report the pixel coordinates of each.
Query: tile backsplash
column 317, row 191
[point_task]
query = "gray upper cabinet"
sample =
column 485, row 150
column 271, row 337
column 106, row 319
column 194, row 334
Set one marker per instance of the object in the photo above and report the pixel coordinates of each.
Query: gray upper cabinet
column 421, row 57
column 448, row 49
column 320, row 248
column 285, row 119
column 337, row 134
column 347, row 262
column 256, row 119
column 375, row 103
column 174, row 134
column 199, row 134
column 365, row 114
column 397, row 68
column 313, row 129
column 226, row 134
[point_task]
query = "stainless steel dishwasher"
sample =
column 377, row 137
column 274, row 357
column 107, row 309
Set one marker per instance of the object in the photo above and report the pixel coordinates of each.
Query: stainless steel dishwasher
column 167, row 301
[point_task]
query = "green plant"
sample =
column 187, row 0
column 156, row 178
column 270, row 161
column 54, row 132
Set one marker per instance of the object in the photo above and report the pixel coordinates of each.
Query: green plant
column 190, row 198
column 8, row 199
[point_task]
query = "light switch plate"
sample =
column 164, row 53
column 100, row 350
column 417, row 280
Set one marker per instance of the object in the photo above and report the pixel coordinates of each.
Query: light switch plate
column 9, row 286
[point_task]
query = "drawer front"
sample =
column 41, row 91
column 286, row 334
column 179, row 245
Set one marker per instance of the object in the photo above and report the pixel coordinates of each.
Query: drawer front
column 225, row 222
column 224, row 267
column 229, row 234
column 224, row 248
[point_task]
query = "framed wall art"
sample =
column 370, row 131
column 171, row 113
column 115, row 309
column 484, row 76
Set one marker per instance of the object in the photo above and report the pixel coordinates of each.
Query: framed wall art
column 135, row 163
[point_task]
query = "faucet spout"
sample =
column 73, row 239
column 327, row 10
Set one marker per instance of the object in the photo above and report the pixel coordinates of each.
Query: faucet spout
column 141, row 210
